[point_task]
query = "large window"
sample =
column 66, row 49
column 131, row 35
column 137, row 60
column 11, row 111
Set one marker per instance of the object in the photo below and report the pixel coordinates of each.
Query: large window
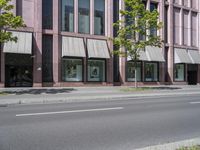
column 47, row 58
column 47, row 14
column 68, row 15
column 186, row 28
column 96, row 70
column 72, row 70
column 99, row 17
column 153, row 31
column 194, row 29
column 177, row 25
column 84, row 16
column 151, row 72
column 131, row 71
column 179, row 72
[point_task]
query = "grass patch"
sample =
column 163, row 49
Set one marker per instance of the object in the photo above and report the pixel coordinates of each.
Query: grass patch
column 3, row 93
column 190, row 148
column 132, row 89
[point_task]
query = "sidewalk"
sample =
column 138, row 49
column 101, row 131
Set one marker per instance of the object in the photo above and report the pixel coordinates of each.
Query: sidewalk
column 82, row 94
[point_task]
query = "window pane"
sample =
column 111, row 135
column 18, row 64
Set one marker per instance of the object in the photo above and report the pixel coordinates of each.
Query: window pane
column 68, row 15
column 99, row 17
column 151, row 72
column 47, row 58
column 179, row 72
column 72, row 70
column 47, row 11
column 84, row 16
column 153, row 31
column 96, row 70
column 131, row 72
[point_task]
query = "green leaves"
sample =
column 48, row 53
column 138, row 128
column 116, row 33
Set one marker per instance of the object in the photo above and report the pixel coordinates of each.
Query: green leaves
column 138, row 22
column 8, row 21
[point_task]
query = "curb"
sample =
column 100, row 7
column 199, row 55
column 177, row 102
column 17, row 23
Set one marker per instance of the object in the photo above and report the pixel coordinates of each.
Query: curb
column 46, row 100
column 173, row 146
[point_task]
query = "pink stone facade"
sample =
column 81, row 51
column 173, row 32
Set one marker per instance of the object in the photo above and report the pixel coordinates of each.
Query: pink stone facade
column 181, row 30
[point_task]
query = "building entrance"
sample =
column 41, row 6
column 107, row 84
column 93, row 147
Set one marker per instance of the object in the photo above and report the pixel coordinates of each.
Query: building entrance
column 192, row 74
column 18, row 70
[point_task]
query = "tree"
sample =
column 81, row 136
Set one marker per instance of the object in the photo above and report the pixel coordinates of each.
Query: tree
column 137, row 22
column 8, row 21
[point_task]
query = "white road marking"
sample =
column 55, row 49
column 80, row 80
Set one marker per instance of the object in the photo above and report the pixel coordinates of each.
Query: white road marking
column 71, row 111
column 194, row 102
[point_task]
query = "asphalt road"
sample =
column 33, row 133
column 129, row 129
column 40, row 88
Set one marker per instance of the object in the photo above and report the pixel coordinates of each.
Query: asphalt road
column 110, row 125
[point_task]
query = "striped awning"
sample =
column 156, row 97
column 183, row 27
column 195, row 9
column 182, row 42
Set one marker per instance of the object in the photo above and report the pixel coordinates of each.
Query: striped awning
column 73, row 47
column 97, row 49
column 194, row 56
column 142, row 54
column 22, row 46
column 181, row 56
column 154, row 54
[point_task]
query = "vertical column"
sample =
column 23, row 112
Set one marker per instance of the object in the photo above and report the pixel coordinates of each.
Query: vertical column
column 181, row 28
column 2, row 60
column 56, row 53
column 76, row 16
column 37, row 44
column 162, row 35
column 109, row 13
column 122, row 60
column 190, row 29
column 91, row 16
column 170, row 55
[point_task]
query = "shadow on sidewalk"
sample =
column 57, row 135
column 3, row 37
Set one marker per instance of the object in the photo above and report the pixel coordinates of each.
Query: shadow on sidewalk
column 165, row 88
column 39, row 91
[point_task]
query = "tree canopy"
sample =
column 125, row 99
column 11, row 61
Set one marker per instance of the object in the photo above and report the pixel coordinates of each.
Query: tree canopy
column 137, row 29
column 8, row 21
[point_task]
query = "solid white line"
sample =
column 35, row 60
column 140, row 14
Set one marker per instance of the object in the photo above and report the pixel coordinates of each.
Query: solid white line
column 71, row 111
column 194, row 102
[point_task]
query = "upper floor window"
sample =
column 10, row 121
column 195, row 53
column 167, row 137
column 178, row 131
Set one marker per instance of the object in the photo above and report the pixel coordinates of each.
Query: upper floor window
column 84, row 16
column 67, row 15
column 99, row 17
column 47, row 14
column 153, row 6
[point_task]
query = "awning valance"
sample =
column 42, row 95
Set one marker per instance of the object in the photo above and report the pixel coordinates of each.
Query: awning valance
column 72, row 46
column 154, row 54
column 143, row 56
column 194, row 56
column 22, row 46
column 97, row 49
column 181, row 56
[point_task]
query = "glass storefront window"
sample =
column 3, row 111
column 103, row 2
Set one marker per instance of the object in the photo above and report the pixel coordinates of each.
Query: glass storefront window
column 99, row 17
column 84, row 16
column 151, row 72
column 179, row 72
column 68, row 15
column 96, row 70
column 131, row 71
column 72, row 70
column 47, row 14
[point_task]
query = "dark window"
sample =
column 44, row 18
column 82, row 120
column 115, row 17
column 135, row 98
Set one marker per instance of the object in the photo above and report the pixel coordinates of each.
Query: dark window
column 96, row 70
column 67, row 15
column 99, row 17
column 19, row 8
column 47, row 14
column 47, row 58
column 84, row 16
column 179, row 72
column 151, row 72
column 153, row 31
column 72, row 69
column 130, row 73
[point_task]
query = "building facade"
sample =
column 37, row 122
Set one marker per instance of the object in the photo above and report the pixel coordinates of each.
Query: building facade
column 67, row 43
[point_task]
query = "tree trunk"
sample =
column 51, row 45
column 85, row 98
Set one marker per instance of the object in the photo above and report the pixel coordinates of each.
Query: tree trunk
column 135, row 77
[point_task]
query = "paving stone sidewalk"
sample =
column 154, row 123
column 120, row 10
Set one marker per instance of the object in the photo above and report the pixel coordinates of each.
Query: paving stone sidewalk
column 82, row 94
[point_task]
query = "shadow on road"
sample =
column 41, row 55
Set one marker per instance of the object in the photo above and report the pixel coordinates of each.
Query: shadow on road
column 39, row 91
